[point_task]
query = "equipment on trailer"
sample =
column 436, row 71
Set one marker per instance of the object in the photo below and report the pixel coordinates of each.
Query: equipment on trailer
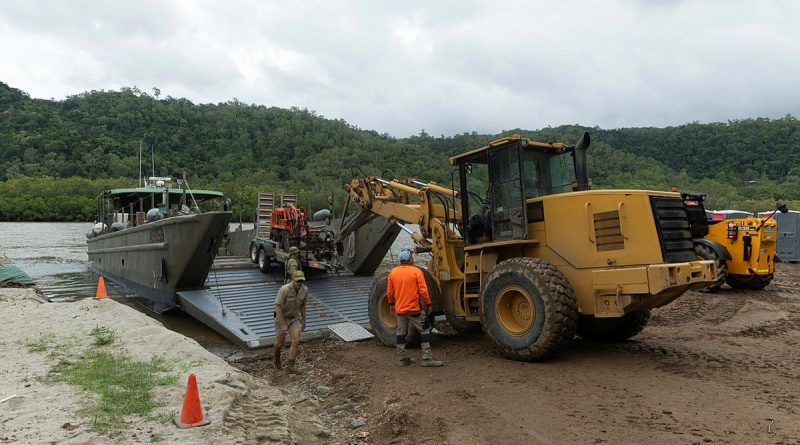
column 289, row 227
column 524, row 250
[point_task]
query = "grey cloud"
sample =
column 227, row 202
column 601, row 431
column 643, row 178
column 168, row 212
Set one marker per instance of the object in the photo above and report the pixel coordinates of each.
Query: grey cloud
column 447, row 67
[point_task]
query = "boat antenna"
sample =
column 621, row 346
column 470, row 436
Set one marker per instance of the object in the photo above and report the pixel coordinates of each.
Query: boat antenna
column 141, row 184
column 189, row 189
column 153, row 157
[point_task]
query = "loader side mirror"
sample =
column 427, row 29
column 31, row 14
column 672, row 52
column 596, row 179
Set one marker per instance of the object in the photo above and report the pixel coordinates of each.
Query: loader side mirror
column 779, row 207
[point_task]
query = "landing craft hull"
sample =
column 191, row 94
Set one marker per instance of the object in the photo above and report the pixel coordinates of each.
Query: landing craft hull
column 158, row 259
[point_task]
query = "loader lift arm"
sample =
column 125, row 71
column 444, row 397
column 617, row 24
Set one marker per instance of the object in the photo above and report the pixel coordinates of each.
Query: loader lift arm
column 408, row 201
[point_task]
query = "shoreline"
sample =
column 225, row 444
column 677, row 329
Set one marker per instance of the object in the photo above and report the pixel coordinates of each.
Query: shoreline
column 240, row 407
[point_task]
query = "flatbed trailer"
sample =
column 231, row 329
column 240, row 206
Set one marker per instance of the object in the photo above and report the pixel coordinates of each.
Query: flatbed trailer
column 265, row 253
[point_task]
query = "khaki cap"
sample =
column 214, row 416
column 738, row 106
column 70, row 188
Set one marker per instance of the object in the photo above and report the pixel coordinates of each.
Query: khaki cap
column 293, row 249
column 299, row 276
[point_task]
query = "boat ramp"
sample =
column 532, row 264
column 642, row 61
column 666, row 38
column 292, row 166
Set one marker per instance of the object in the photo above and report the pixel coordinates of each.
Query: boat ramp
column 239, row 302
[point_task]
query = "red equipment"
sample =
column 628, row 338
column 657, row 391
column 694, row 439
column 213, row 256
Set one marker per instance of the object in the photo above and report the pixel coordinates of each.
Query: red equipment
column 288, row 225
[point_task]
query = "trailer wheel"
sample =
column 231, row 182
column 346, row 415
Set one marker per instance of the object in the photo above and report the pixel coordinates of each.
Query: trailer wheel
column 706, row 253
column 528, row 309
column 613, row 330
column 254, row 253
column 263, row 261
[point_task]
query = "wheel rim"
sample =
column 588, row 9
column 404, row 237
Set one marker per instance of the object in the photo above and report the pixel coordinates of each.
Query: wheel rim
column 262, row 257
column 515, row 310
column 385, row 313
column 253, row 253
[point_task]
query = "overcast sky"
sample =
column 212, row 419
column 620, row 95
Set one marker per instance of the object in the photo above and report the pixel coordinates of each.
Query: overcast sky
column 443, row 66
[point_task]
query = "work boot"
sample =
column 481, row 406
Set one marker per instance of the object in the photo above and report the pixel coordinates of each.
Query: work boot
column 429, row 362
column 290, row 368
column 276, row 359
column 405, row 361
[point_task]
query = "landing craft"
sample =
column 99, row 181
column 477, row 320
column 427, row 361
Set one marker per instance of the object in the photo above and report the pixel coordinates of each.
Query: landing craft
column 156, row 240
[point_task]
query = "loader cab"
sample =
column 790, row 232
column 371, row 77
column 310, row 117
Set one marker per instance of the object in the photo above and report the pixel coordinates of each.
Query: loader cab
column 503, row 177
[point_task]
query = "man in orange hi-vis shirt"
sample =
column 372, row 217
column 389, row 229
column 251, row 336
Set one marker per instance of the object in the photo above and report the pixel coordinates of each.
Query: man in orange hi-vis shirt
column 405, row 289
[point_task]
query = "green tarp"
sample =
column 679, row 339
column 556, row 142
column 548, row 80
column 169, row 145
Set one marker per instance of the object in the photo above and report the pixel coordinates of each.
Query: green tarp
column 13, row 275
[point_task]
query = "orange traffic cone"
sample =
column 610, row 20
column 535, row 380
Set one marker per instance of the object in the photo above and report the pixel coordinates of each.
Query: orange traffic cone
column 101, row 289
column 192, row 412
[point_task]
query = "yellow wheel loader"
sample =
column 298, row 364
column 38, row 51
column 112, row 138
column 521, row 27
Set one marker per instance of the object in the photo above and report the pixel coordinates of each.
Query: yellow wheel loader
column 743, row 249
column 522, row 249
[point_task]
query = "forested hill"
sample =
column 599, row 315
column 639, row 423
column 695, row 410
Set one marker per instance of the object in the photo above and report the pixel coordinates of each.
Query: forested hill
column 55, row 156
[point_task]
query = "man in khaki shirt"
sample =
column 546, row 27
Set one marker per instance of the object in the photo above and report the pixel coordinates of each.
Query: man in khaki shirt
column 290, row 316
column 292, row 264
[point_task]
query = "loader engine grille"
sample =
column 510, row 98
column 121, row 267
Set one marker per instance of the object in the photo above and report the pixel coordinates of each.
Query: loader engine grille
column 673, row 229
column 607, row 231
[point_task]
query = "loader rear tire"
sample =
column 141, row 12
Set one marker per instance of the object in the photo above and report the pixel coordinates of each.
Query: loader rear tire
column 762, row 281
column 528, row 309
column 381, row 317
column 706, row 253
column 756, row 282
column 613, row 330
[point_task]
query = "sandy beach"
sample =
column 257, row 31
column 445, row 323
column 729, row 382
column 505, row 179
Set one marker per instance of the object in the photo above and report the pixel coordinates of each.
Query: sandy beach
column 242, row 409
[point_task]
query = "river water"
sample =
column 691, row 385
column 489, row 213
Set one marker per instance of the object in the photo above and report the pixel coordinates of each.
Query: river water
column 54, row 256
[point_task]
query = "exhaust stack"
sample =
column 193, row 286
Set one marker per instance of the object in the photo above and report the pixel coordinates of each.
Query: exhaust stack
column 581, row 167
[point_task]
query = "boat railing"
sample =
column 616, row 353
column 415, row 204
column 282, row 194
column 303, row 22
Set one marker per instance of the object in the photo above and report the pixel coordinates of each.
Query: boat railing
column 122, row 218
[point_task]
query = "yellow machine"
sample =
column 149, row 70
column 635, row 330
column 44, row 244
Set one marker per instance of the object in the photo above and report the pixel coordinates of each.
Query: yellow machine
column 742, row 248
column 524, row 250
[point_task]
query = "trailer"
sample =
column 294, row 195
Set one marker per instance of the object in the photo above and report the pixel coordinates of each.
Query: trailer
column 361, row 252
column 289, row 226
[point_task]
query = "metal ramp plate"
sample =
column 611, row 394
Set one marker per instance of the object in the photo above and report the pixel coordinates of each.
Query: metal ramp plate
column 350, row 331
column 220, row 277
column 241, row 308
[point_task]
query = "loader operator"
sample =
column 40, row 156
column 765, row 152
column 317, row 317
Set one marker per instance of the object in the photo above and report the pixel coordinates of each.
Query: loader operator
column 292, row 264
column 290, row 316
column 405, row 288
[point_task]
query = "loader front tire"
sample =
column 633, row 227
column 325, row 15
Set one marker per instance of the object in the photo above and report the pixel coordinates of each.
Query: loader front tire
column 706, row 253
column 613, row 330
column 459, row 324
column 381, row 318
column 528, row 309
column 462, row 326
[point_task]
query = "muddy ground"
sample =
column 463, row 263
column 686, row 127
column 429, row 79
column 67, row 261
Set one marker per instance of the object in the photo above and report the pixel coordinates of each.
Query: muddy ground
column 709, row 368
